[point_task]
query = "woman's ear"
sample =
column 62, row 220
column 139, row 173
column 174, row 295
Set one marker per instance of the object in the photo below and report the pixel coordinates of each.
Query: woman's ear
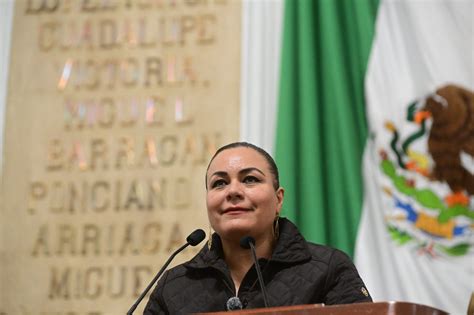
column 280, row 194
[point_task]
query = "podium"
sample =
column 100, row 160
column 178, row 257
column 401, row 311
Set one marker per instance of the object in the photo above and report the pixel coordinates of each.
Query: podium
column 378, row 308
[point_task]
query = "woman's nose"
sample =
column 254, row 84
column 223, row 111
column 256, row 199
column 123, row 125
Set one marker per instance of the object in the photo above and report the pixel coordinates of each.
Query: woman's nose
column 234, row 191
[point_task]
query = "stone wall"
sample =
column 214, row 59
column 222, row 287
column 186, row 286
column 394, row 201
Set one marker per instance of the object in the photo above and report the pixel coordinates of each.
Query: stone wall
column 113, row 110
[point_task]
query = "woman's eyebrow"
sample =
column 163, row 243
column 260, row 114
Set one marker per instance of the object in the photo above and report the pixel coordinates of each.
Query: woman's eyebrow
column 219, row 173
column 242, row 171
column 250, row 169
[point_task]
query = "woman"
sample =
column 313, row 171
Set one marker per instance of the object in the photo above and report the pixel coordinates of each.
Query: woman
column 244, row 198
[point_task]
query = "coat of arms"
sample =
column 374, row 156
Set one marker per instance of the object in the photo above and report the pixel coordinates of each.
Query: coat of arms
column 428, row 168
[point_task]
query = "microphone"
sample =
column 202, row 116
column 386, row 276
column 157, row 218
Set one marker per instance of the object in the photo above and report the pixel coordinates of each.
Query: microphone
column 248, row 242
column 234, row 304
column 193, row 239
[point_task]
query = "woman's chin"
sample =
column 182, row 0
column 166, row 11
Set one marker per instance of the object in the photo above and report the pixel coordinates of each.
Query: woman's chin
column 236, row 229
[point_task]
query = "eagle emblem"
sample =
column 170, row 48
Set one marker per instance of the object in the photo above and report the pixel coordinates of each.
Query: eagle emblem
column 428, row 170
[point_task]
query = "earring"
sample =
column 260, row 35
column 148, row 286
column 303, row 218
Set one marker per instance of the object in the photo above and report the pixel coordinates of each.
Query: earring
column 276, row 227
column 209, row 240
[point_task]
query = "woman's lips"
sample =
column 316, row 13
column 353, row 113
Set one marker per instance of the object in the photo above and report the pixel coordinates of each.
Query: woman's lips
column 236, row 210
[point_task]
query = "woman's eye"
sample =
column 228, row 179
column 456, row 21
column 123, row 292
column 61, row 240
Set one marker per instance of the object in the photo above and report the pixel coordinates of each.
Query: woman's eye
column 218, row 183
column 251, row 179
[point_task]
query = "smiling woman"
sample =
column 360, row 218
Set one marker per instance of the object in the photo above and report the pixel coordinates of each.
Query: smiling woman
column 244, row 200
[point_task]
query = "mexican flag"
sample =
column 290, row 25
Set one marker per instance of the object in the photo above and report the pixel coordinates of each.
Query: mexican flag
column 375, row 140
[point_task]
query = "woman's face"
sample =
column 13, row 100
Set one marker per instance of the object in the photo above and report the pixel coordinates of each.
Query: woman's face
column 241, row 199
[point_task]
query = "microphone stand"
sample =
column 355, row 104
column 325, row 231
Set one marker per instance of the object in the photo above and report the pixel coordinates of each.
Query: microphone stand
column 193, row 239
column 259, row 273
column 134, row 306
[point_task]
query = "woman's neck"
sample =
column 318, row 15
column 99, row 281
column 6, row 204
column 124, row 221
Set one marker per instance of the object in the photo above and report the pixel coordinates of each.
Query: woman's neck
column 239, row 260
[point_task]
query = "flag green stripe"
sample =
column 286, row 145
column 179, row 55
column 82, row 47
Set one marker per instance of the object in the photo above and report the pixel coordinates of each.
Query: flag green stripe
column 321, row 117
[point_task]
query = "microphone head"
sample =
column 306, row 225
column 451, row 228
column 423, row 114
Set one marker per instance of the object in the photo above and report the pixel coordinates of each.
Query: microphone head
column 196, row 237
column 234, row 304
column 245, row 242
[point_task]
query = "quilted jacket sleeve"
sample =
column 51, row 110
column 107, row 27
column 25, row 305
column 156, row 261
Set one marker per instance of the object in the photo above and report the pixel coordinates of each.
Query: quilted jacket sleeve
column 343, row 283
column 156, row 305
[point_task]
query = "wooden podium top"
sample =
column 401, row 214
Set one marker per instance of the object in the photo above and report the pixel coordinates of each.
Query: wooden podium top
column 389, row 308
